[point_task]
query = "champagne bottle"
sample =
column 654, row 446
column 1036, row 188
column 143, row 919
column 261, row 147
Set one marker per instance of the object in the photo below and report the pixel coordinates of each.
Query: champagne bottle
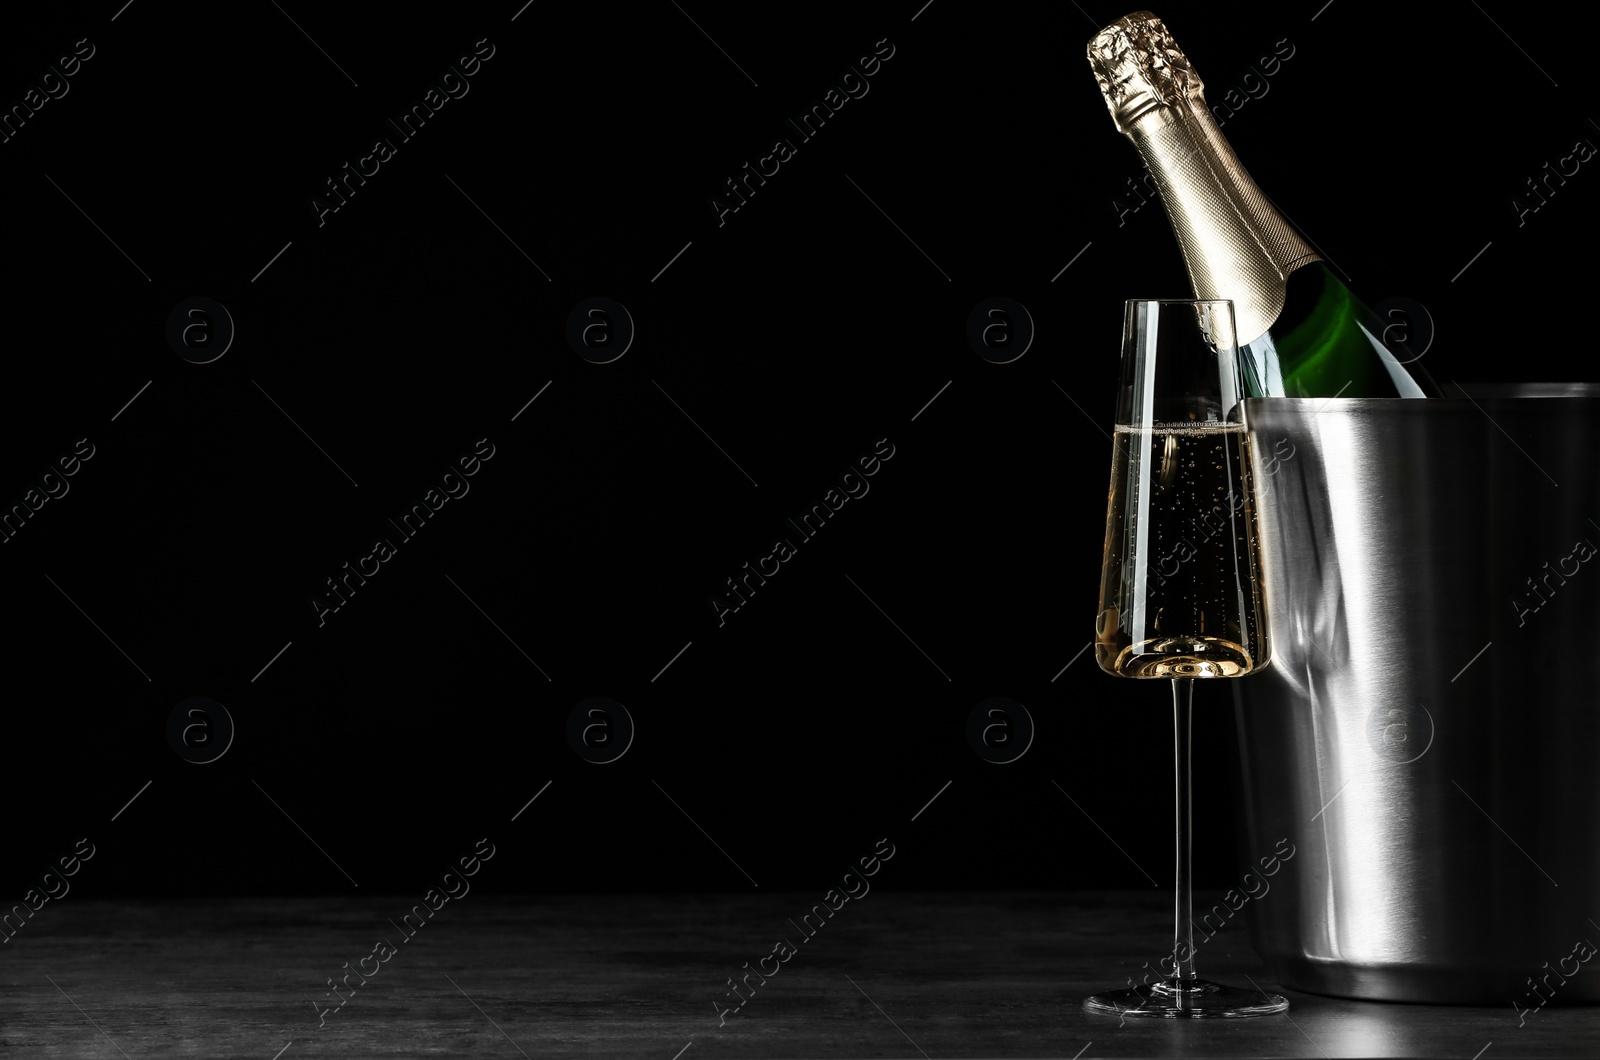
column 1309, row 335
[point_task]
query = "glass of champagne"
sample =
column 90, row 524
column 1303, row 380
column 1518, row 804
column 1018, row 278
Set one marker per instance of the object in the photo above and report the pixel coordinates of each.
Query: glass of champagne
column 1180, row 591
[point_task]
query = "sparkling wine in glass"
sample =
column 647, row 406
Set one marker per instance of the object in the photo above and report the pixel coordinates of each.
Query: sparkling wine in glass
column 1180, row 590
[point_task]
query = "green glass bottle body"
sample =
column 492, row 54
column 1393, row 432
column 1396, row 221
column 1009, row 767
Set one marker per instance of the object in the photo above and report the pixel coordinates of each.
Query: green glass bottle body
column 1328, row 343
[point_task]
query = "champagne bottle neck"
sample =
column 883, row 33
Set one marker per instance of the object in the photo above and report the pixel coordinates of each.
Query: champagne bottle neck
column 1235, row 243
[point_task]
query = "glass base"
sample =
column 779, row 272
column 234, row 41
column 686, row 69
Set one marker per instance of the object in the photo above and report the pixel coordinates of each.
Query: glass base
column 1192, row 999
column 1191, row 656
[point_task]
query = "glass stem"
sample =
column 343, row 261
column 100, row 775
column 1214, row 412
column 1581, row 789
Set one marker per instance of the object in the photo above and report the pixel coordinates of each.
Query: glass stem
column 1183, row 913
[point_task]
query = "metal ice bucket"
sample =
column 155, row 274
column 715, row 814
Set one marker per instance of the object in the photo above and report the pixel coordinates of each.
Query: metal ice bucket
column 1427, row 735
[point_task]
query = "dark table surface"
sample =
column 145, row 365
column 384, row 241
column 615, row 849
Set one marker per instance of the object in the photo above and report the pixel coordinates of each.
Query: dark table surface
column 891, row 975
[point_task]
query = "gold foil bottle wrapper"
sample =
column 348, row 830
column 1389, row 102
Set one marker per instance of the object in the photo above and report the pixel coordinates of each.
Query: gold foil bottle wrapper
column 1140, row 67
column 1235, row 244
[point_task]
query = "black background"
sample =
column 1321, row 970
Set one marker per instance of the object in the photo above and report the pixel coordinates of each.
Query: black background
column 797, row 334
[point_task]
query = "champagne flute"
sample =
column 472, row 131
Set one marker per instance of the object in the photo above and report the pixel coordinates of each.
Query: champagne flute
column 1180, row 590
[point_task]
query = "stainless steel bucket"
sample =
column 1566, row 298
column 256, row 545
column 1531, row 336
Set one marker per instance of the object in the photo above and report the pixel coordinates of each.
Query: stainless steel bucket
column 1428, row 732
